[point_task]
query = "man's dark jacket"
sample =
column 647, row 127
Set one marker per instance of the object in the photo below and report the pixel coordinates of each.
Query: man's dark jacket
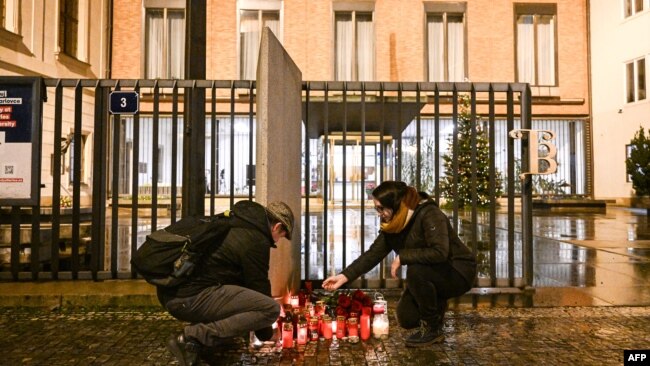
column 428, row 238
column 242, row 259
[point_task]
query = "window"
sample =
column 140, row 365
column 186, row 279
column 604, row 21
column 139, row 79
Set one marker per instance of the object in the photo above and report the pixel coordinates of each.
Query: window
column 354, row 46
column 536, row 44
column 251, row 23
column 635, row 80
column 164, row 43
column 9, row 15
column 445, row 39
column 69, row 27
column 633, row 7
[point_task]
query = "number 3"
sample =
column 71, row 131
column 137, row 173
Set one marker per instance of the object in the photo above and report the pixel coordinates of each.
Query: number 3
column 123, row 102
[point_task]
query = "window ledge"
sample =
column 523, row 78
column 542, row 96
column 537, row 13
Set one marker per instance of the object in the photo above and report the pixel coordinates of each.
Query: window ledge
column 10, row 36
column 64, row 58
column 545, row 91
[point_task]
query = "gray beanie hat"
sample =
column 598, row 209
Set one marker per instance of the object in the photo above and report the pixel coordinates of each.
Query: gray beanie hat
column 281, row 212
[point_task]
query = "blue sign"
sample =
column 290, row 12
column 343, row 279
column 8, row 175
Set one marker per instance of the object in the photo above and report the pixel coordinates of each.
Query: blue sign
column 124, row 102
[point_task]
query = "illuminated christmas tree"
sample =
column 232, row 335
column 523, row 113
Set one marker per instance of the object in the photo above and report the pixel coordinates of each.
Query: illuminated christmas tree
column 463, row 195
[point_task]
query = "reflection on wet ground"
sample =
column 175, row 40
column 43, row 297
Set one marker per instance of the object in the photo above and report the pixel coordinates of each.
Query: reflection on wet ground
column 581, row 258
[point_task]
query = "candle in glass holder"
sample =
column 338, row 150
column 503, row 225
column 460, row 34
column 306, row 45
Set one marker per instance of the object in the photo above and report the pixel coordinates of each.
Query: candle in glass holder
column 313, row 329
column 294, row 301
column 380, row 305
column 340, row 326
column 367, row 310
column 287, row 335
column 302, row 333
column 380, row 326
column 353, row 330
column 327, row 327
column 365, row 326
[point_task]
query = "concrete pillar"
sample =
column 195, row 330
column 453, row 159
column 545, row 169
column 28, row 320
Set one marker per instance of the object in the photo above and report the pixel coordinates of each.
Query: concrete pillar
column 278, row 159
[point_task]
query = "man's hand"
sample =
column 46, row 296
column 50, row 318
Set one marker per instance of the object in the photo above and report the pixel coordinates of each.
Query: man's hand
column 395, row 266
column 334, row 282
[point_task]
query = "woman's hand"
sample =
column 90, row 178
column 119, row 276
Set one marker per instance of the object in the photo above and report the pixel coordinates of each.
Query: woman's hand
column 395, row 266
column 334, row 282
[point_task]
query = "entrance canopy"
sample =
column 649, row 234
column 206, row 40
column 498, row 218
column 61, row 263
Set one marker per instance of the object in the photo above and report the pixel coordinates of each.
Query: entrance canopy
column 380, row 114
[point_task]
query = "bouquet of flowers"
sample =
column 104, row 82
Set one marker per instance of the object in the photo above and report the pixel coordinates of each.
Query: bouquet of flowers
column 344, row 302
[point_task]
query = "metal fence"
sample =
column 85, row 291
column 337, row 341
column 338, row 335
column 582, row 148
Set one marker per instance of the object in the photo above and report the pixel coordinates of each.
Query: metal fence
column 99, row 201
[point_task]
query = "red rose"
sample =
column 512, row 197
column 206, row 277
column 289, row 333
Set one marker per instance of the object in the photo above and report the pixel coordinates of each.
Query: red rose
column 358, row 295
column 344, row 301
column 356, row 306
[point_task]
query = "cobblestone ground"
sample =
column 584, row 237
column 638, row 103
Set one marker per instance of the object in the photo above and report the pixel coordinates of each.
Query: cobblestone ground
column 485, row 336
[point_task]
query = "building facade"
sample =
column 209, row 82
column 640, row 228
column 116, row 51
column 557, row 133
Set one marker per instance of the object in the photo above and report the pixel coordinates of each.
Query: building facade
column 71, row 44
column 620, row 54
column 543, row 43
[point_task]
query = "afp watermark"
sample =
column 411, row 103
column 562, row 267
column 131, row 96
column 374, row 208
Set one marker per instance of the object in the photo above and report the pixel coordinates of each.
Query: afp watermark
column 636, row 357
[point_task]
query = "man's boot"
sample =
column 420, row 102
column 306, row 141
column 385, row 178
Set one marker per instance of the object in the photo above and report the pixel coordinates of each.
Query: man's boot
column 430, row 332
column 186, row 350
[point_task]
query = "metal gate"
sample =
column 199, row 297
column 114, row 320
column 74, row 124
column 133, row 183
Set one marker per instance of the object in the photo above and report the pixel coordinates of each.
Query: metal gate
column 114, row 198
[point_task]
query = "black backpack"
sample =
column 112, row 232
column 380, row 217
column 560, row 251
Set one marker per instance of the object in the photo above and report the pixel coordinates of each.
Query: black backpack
column 169, row 256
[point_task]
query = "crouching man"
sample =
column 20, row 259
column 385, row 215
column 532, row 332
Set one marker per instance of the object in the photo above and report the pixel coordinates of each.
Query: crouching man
column 230, row 293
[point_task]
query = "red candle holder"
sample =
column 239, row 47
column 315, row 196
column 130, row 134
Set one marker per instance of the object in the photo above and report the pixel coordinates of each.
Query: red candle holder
column 353, row 330
column 340, row 326
column 287, row 335
column 302, row 333
column 327, row 327
column 365, row 326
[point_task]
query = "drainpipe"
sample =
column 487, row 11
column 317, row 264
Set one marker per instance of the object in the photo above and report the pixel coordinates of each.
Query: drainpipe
column 590, row 156
column 109, row 48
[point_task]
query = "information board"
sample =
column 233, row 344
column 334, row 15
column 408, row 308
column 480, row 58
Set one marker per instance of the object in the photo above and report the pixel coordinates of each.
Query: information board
column 20, row 131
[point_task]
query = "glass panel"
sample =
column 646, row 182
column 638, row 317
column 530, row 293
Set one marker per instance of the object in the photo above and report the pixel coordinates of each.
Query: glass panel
column 629, row 77
column 154, row 39
column 525, row 49
column 344, row 47
column 435, row 48
column 365, row 47
column 546, row 50
column 176, row 41
column 456, row 47
column 641, row 88
column 249, row 37
column 271, row 19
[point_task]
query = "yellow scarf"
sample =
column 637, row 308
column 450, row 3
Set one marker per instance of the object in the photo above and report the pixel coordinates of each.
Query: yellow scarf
column 401, row 218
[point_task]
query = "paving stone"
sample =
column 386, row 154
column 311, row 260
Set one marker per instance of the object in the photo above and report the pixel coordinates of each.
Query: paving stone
column 486, row 336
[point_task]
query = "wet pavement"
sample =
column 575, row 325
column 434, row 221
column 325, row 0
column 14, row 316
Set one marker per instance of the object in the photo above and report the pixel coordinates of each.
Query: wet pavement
column 484, row 336
column 590, row 303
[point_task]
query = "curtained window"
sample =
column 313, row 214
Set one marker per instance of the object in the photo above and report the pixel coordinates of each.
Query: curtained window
column 165, row 43
column 536, row 47
column 635, row 77
column 251, row 23
column 354, row 46
column 446, row 47
column 633, row 7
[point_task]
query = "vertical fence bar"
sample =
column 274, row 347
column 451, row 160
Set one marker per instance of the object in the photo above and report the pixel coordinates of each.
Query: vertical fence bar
column 510, row 118
column 398, row 152
column 526, row 192
column 56, row 180
column 436, row 129
column 134, row 181
column 250, row 171
column 492, row 188
column 307, row 183
column 326, row 185
column 99, row 181
column 382, row 156
column 344, row 180
column 232, row 144
column 76, row 182
column 174, row 151
column 454, row 160
column 418, row 137
column 572, row 162
column 115, row 193
column 155, row 157
column 213, row 147
column 474, row 169
column 35, row 246
column 362, row 234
